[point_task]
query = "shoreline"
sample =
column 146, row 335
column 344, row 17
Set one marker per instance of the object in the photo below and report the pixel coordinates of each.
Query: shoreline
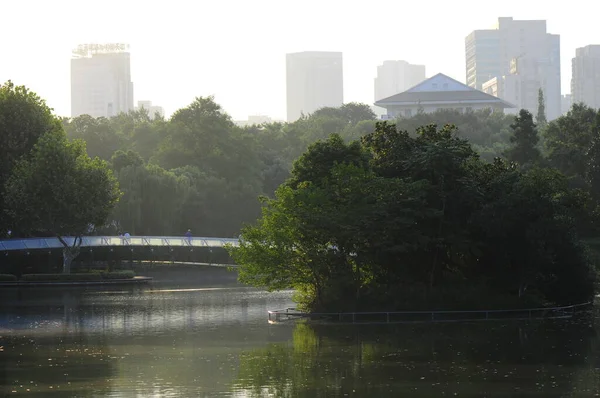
column 136, row 280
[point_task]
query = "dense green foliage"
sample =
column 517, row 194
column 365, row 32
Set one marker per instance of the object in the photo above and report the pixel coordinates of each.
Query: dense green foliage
column 524, row 140
column 371, row 225
column 24, row 117
column 540, row 118
column 199, row 171
column 49, row 185
column 59, row 189
column 355, row 213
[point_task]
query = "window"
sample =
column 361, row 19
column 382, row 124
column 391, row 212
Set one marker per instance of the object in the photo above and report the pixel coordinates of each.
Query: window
column 434, row 85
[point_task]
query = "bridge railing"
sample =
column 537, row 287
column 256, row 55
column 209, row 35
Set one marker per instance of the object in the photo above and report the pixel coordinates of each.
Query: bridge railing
column 275, row 316
column 112, row 241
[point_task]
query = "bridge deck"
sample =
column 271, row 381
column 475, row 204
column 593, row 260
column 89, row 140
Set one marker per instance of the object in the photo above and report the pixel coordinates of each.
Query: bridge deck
column 112, row 241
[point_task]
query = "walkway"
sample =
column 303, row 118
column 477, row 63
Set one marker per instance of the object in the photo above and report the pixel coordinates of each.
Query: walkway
column 7, row 245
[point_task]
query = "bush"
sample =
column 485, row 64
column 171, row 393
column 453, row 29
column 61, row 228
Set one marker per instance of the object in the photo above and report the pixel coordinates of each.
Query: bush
column 60, row 277
column 117, row 275
column 95, row 276
column 7, row 278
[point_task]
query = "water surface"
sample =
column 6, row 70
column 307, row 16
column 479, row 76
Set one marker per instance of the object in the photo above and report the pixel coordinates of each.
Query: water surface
column 182, row 340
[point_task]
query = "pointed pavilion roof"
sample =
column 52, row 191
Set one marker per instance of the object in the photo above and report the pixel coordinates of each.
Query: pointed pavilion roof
column 442, row 89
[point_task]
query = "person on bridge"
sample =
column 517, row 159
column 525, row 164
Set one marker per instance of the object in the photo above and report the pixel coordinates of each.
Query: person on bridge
column 188, row 235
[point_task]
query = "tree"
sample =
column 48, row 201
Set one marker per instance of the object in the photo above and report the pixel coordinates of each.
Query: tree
column 316, row 163
column 100, row 136
column 568, row 139
column 60, row 190
column 541, row 111
column 403, row 221
column 593, row 157
column 351, row 113
column 121, row 159
column 524, row 140
column 355, row 112
column 24, row 117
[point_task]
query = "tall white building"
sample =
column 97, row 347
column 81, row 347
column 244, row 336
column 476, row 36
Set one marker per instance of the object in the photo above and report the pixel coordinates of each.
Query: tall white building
column 566, row 103
column 314, row 79
column 101, row 80
column 394, row 77
column 585, row 82
column 515, row 60
column 152, row 109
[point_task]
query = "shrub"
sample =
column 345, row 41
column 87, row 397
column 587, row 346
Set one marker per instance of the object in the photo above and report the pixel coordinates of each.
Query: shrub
column 118, row 275
column 7, row 278
column 60, row 277
column 92, row 276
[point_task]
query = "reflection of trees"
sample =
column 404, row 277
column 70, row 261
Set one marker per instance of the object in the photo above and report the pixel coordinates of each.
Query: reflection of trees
column 57, row 361
column 425, row 360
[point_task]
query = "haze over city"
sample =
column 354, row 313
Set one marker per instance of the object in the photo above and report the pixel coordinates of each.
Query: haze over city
column 235, row 50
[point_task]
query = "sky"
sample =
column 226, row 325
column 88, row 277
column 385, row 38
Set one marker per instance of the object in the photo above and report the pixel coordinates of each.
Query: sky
column 235, row 49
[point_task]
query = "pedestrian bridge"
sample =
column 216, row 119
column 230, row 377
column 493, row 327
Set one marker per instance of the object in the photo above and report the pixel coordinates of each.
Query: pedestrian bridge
column 29, row 244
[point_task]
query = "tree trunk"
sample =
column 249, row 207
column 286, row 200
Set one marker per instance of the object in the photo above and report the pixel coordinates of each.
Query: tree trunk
column 68, row 257
column 69, row 252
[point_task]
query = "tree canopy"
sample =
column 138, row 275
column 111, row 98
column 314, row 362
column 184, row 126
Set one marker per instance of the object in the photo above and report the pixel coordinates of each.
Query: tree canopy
column 24, row 117
column 425, row 214
column 371, row 210
column 60, row 190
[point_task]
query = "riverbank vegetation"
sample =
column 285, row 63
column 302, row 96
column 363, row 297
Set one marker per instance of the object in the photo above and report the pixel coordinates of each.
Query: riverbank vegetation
column 462, row 209
column 395, row 222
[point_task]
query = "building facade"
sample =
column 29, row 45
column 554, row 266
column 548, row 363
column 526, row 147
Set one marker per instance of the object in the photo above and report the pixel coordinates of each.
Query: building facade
column 566, row 103
column 101, row 80
column 152, row 109
column 520, row 53
column 585, row 82
column 439, row 92
column 482, row 57
column 394, row 77
column 314, row 79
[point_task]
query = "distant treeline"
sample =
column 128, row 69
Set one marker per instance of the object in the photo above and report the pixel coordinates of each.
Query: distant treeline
column 199, row 171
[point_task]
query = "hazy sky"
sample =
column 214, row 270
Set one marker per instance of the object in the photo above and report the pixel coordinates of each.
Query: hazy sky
column 235, row 49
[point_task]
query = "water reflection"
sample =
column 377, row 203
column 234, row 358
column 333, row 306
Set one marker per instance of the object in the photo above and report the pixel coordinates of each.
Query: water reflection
column 479, row 360
column 138, row 342
column 185, row 341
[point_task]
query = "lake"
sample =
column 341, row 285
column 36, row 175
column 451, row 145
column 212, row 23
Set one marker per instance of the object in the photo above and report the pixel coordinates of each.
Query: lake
column 180, row 338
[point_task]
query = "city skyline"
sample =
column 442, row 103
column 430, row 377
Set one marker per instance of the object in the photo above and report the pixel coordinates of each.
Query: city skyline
column 514, row 61
column 172, row 66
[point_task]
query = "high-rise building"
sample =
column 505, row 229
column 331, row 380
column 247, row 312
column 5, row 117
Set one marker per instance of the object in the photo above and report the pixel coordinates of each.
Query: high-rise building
column 566, row 103
column 151, row 109
column 314, row 79
column 585, row 82
column 394, row 77
column 519, row 54
column 101, row 80
column 482, row 57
